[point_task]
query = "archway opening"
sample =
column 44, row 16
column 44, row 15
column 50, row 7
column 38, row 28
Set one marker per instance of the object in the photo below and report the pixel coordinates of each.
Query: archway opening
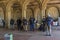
column 32, row 7
column 53, row 11
column 16, row 11
column 29, row 13
column 1, row 13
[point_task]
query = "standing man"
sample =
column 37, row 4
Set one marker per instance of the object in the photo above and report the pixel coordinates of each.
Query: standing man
column 25, row 24
column 49, row 21
column 19, row 23
column 3, row 21
column 44, row 21
column 12, row 23
column 32, row 22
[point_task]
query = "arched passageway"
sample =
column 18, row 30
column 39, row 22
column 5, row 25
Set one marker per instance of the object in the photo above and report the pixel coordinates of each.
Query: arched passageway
column 53, row 11
column 33, row 9
column 1, row 13
column 16, row 11
column 13, row 10
column 29, row 13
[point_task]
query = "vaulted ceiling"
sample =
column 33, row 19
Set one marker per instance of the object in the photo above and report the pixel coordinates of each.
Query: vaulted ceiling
column 22, row 1
column 32, row 3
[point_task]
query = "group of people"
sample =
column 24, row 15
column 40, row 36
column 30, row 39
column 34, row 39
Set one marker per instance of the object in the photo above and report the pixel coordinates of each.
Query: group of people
column 22, row 24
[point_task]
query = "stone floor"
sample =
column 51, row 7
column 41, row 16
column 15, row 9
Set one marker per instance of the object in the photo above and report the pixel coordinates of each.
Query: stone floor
column 36, row 35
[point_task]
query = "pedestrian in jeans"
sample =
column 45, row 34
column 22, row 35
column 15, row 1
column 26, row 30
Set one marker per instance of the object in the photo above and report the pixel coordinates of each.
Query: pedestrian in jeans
column 32, row 22
column 48, row 22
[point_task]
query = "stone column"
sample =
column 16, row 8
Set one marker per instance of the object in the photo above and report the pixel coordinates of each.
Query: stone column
column 43, row 9
column 44, row 4
column 24, row 11
column 36, row 13
column 59, row 12
column 43, row 13
column 8, row 15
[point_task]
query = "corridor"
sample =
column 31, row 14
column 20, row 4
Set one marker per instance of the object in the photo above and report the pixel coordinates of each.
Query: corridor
column 36, row 35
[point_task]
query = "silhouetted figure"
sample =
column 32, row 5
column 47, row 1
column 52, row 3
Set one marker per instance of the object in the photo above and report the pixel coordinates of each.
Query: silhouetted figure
column 25, row 24
column 32, row 22
column 3, row 23
column 12, row 23
column 41, row 28
column 19, row 24
column 44, row 22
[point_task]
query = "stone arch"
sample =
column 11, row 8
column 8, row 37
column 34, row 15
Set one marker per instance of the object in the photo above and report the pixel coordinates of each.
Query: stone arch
column 10, row 3
column 3, row 10
column 1, row 13
column 27, row 5
column 37, row 15
column 8, row 10
column 24, row 6
column 56, row 11
column 37, row 11
column 29, row 13
column 28, row 1
column 16, row 10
